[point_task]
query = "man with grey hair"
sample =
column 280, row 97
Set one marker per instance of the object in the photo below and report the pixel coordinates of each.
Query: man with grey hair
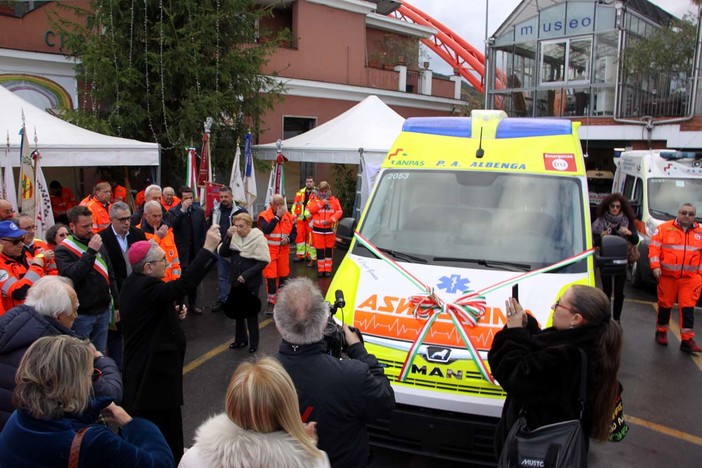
column 49, row 310
column 341, row 395
column 154, row 342
column 151, row 193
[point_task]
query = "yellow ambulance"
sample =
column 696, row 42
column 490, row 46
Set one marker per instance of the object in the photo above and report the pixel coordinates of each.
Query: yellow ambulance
column 463, row 209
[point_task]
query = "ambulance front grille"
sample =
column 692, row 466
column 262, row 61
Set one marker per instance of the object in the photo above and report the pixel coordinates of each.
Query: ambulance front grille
column 471, row 382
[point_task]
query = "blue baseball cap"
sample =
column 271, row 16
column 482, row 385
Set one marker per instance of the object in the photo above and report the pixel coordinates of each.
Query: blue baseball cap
column 9, row 230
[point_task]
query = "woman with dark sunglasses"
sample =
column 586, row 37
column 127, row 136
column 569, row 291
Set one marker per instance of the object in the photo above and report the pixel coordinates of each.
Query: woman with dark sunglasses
column 540, row 369
column 615, row 217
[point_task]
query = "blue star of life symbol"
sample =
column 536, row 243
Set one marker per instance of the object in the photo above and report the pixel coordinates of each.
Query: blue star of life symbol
column 453, row 284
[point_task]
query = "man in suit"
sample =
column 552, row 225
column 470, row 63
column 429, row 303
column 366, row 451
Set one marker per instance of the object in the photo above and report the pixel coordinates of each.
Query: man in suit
column 117, row 238
column 189, row 229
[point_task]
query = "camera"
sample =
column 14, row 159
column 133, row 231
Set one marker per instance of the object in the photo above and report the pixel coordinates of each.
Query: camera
column 333, row 332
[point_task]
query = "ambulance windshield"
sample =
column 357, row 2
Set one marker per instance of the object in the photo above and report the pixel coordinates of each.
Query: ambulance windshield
column 488, row 219
column 665, row 196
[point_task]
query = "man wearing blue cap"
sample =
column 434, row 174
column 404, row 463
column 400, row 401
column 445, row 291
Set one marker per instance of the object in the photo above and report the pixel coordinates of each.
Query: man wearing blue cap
column 16, row 274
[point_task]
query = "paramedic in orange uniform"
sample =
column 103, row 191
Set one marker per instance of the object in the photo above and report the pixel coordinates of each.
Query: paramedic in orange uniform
column 303, row 237
column 62, row 200
column 154, row 228
column 675, row 256
column 278, row 226
column 17, row 274
column 325, row 212
column 99, row 206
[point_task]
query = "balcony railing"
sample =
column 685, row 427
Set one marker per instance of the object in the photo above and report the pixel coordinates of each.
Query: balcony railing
column 661, row 95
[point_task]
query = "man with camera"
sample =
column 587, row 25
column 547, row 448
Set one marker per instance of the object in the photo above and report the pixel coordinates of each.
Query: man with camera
column 340, row 395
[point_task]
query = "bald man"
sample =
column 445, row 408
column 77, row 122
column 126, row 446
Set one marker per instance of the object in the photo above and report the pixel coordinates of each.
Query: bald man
column 6, row 210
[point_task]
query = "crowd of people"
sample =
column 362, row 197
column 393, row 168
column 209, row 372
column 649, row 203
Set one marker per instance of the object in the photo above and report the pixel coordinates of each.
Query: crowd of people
column 113, row 286
column 90, row 330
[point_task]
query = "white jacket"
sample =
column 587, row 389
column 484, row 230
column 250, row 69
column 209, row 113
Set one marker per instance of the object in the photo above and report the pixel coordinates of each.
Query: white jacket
column 221, row 443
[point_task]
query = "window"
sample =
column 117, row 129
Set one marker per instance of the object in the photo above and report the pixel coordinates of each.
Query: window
column 566, row 61
column 544, row 214
column 293, row 126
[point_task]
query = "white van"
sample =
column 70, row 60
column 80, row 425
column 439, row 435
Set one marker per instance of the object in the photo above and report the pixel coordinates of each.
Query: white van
column 657, row 182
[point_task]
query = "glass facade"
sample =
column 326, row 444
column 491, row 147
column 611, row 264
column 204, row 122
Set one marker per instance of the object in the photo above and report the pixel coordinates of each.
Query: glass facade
column 561, row 62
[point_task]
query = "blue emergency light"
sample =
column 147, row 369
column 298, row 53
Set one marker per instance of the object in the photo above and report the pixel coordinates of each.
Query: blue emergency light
column 509, row 128
column 675, row 155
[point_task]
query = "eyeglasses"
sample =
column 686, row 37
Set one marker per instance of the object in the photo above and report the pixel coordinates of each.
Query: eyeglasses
column 62, row 234
column 557, row 304
column 687, row 213
column 97, row 373
column 123, row 219
column 615, row 205
column 163, row 260
column 13, row 241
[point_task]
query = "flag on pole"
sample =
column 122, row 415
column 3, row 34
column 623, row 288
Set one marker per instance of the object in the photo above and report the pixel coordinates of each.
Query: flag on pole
column 236, row 181
column 44, row 214
column 249, row 175
column 191, row 167
column 9, row 192
column 25, row 194
column 276, row 182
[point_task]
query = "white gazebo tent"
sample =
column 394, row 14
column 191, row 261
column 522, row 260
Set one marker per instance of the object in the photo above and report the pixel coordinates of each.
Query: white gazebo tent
column 65, row 145
column 361, row 135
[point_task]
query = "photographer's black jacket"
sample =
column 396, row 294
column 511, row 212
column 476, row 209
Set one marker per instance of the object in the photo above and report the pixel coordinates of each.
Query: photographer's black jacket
column 340, row 395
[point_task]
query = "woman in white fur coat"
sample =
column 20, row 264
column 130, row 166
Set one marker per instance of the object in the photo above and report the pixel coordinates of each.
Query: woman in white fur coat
column 248, row 253
column 261, row 426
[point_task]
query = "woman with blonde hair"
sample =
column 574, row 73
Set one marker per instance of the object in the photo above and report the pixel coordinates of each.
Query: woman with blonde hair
column 261, row 426
column 247, row 249
column 55, row 415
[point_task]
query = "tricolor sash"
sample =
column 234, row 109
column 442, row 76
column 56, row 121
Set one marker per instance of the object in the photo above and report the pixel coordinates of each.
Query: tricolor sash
column 78, row 248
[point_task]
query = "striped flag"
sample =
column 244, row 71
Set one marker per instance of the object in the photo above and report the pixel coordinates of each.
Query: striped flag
column 276, row 182
column 9, row 192
column 44, row 214
column 236, row 181
column 249, row 175
column 25, row 192
column 191, row 168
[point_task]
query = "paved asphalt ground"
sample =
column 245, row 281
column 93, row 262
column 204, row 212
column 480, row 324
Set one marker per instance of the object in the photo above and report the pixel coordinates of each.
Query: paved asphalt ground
column 662, row 386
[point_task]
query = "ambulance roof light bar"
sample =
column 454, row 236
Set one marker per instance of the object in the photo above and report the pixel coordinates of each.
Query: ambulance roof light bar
column 675, row 155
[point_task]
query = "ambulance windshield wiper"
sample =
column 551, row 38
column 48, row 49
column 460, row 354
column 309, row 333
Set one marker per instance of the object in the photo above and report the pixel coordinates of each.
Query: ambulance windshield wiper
column 664, row 213
column 486, row 263
column 404, row 256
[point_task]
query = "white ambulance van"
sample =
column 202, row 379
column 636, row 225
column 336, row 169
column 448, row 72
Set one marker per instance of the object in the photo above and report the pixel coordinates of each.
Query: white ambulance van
column 657, row 182
column 461, row 207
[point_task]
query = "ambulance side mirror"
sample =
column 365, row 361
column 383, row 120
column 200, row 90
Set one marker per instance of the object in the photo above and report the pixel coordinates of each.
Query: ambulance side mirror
column 344, row 233
column 613, row 256
column 636, row 206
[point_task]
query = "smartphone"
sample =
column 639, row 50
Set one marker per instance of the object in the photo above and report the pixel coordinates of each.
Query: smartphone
column 515, row 291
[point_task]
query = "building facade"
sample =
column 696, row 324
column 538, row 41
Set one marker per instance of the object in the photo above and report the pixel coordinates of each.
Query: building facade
column 565, row 58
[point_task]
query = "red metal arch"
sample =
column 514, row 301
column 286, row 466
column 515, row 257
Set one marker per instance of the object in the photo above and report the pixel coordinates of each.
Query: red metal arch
column 453, row 49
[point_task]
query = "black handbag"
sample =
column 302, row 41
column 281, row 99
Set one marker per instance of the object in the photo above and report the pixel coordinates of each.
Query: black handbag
column 241, row 303
column 557, row 445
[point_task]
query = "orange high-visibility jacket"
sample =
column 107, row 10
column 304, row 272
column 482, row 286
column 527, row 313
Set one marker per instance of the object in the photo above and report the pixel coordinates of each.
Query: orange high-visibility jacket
column 298, row 207
column 282, row 229
column 169, row 246
column 324, row 218
column 64, row 202
column 15, row 280
column 101, row 215
column 676, row 252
